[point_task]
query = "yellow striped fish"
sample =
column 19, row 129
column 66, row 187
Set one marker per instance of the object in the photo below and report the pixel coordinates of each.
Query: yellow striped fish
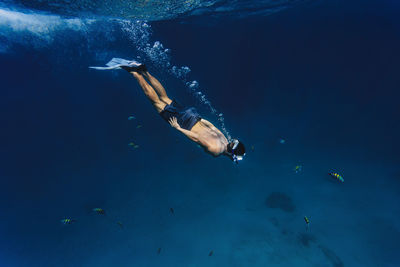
column 133, row 145
column 307, row 222
column 99, row 211
column 336, row 176
column 67, row 221
column 298, row 168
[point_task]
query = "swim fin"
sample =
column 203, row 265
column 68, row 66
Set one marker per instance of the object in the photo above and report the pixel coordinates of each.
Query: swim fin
column 120, row 63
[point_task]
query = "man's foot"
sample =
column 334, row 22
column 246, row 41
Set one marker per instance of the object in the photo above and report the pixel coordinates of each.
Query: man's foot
column 134, row 67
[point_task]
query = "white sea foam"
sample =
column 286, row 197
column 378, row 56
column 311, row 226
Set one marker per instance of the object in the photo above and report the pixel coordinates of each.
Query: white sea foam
column 35, row 30
column 39, row 24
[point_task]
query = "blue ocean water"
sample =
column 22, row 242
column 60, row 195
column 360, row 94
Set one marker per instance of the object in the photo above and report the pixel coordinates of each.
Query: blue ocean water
column 301, row 83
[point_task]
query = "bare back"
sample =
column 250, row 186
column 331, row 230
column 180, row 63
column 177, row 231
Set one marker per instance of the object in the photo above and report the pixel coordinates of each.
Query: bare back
column 210, row 138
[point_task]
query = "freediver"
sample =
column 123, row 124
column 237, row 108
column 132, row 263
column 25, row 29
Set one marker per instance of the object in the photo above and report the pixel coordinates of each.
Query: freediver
column 184, row 119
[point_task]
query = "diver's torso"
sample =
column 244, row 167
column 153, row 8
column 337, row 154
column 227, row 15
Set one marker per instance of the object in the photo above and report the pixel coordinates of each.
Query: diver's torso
column 212, row 141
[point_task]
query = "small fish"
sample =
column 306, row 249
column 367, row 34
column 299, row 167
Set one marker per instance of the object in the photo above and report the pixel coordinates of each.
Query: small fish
column 307, row 222
column 211, row 253
column 171, row 210
column 298, row 168
column 158, row 251
column 120, row 224
column 131, row 118
column 336, row 176
column 139, row 126
column 133, row 145
column 282, row 141
column 252, row 148
column 99, row 211
column 67, row 221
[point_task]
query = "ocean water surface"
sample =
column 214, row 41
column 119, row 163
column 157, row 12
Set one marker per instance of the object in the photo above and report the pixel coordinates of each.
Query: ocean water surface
column 310, row 87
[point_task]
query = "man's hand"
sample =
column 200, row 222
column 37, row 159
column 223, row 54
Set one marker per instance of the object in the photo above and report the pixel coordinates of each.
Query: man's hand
column 191, row 135
column 174, row 122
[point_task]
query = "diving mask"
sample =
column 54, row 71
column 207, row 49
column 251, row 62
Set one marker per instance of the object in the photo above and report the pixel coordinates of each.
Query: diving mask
column 236, row 158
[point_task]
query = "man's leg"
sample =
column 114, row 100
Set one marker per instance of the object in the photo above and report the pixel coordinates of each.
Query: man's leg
column 162, row 94
column 149, row 92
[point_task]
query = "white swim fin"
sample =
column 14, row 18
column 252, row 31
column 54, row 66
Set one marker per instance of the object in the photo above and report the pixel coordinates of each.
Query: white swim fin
column 120, row 63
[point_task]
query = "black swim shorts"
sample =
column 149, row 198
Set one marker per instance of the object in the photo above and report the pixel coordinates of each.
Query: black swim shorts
column 186, row 117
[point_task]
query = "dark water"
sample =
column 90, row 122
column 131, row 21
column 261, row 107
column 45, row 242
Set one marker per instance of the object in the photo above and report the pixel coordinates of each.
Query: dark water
column 323, row 76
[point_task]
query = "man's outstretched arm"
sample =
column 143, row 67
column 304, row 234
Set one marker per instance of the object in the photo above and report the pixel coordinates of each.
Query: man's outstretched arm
column 192, row 136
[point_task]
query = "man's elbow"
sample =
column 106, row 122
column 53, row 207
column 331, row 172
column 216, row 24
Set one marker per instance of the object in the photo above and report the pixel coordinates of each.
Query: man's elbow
column 196, row 139
column 193, row 137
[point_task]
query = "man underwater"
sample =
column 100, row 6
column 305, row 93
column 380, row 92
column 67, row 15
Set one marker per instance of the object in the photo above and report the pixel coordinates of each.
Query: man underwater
column 184, row 119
